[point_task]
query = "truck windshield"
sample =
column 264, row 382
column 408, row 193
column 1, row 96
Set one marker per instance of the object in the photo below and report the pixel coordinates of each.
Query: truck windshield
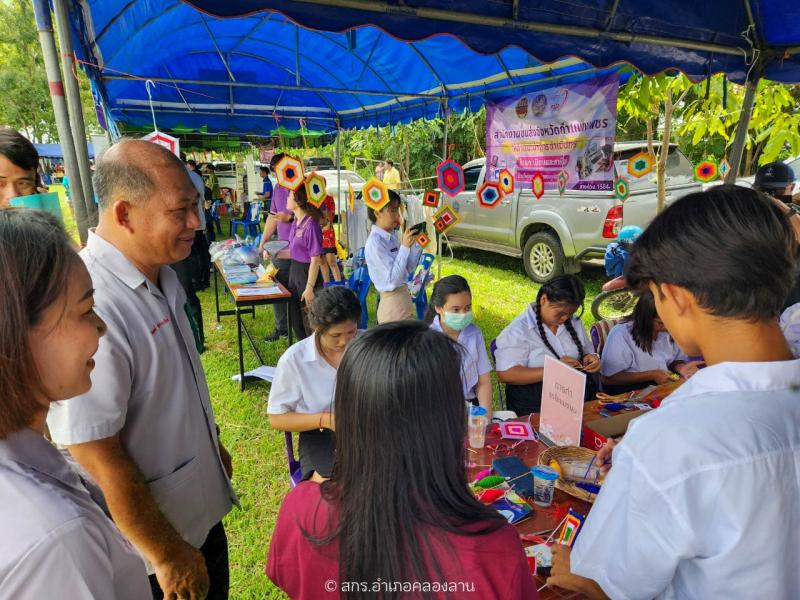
column 679, row 168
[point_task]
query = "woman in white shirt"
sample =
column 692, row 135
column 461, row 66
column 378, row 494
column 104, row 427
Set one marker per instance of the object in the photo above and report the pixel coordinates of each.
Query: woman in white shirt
column 391, row 262
column 56, row 541
column 450, row 311
column 640, row 352
column 547, row 327
column 301, row 398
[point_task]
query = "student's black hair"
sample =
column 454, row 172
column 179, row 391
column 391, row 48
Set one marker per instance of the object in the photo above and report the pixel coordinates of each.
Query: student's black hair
column 452, row 284
column 390, row 163
column 18, row 149
column 301, row 199
column 729, row 246
column 276, row 158
column 644, row 313
column 399, row 477
column 333, row 306
column 394, row 200
column 567, row 290
column 263, row 169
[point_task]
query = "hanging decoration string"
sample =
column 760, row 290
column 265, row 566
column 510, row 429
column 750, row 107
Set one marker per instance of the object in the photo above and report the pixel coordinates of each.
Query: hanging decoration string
column 147, row 85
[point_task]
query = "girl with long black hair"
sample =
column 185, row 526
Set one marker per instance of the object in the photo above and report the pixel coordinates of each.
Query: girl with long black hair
column 640, row 352
column 547, row 327
column 397, row 516
column 450, row 311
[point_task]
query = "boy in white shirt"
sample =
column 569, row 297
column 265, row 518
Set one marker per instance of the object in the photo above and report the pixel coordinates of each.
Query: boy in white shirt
column 703, row 499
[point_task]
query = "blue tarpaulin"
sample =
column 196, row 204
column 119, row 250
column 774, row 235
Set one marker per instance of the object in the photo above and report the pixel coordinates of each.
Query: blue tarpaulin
column 54, row 150
column 249, row 66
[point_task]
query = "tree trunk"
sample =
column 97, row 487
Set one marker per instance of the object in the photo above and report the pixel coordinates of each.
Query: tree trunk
column 661, row 169
column 649, row 125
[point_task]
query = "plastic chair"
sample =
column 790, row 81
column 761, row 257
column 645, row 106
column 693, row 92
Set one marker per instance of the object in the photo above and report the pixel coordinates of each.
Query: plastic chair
column 424, row 270
column 214, row 211
column 250, row 225
column 599, row 333
column 501, row 401
column 295, row 471
column 360, row 283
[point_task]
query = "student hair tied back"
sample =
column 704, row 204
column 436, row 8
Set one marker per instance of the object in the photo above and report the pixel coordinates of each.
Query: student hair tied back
column 301, row 199
column 642, row 328
column 36, row 256
column 567, row 290
column 452, row 284
column 394, row 200
column 696, row 244
column 333, row 306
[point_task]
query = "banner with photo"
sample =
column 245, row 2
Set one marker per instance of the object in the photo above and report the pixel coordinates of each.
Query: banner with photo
column 569, row 128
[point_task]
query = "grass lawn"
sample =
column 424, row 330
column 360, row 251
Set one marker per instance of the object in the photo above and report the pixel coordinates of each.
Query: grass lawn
column 500, row 292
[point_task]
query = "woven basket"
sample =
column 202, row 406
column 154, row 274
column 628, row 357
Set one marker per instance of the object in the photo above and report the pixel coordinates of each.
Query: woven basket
column 564, row 454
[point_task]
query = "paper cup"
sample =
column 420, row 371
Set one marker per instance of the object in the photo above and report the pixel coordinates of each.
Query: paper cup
column 544, row 485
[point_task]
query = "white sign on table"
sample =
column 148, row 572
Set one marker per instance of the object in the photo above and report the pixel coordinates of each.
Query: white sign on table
column 563, row 391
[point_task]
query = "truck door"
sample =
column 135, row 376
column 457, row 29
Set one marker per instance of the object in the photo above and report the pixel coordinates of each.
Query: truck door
column 496, row 224
column 464, row 204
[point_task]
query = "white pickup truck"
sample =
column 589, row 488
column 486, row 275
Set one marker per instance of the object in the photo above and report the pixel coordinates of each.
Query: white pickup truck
column 555, row 233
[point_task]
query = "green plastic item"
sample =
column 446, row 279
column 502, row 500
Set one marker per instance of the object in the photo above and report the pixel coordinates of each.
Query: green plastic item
column 490, row 482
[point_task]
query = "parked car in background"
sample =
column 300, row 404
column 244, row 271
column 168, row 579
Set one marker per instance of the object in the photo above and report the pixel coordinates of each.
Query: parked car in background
column 317, row 163
column 332, row 180
column 554, row 234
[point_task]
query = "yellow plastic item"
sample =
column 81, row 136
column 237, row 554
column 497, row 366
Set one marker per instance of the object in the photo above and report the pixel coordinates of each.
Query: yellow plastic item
column 553, row 464
column 340, row 253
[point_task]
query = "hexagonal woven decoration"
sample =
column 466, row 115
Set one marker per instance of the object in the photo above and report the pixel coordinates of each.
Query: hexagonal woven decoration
column 563, row 178
column 640, row 164
column 315, row 189
column 375, row 194
column 537, row 185
column 724, row 168
column 706, row 171
column 506, row 181
column 431, row 198
column 621, row 188
column 423, row 240
column 289, row 173
column 444, row 219
column 489, row 194
column 450, row 177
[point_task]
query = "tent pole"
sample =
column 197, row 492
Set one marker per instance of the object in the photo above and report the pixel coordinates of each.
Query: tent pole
column 44, row 25
column 339, row 184
column 737, row 150
column 444, row 157
column 75, row 108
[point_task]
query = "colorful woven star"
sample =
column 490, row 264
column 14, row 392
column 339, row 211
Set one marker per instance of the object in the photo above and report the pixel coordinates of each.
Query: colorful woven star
column 445, row 218
column 423, row 240
column 640, row 164
column 724, row 168
column 489, row 194
column 706, row 171
column 450, row 177
column 431, row 198
column 375, row 194
column 315, row 189
column 506, row 181
column 289, row 173
column 621, row 188
column 537, row 185
column 563, row 178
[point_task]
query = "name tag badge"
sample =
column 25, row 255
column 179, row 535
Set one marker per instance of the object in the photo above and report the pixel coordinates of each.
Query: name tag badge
column 393, row 250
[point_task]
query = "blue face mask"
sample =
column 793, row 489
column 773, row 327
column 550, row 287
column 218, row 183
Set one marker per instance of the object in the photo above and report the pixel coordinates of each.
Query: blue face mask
column 457, row 321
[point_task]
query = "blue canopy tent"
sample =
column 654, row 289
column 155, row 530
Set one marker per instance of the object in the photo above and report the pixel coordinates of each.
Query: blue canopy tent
column 55, row 151
column 252, row 74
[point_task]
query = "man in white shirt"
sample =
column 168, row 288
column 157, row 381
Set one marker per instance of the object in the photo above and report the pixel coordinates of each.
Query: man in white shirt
column 145, row 432
column 703, row 498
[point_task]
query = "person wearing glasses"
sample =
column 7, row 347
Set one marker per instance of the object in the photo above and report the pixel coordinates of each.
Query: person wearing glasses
column 549, row 326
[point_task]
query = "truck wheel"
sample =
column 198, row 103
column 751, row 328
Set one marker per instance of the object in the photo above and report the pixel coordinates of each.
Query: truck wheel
column 543, row 257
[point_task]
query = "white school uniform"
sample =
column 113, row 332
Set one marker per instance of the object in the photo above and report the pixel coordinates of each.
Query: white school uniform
column 474, row 358
column 304, row 381
column 56, row 541
column 790, row 325
column 389, row 263
column 703, row 499
column 622, row 355
column 521, row 345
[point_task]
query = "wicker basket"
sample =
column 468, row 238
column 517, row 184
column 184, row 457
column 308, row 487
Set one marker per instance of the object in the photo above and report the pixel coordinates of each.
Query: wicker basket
column 563, row 454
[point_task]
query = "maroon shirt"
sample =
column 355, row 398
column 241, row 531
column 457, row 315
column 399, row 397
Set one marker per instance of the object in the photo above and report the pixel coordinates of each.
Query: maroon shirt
column 493, row 565
column 305, row 240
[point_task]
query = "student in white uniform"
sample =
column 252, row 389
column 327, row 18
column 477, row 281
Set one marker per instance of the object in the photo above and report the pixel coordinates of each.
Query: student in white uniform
column 56, row 542
column 450, row 311
column 790, row 325
column 391, row 262
column 703, row 498
column 547, row 327
column 640, row 352
column 301, row 398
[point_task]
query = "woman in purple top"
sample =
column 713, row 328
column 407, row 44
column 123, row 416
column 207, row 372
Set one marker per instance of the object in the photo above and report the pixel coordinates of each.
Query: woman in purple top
column 305, row 249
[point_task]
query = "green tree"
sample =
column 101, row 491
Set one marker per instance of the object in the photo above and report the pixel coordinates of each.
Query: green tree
column 26, row 104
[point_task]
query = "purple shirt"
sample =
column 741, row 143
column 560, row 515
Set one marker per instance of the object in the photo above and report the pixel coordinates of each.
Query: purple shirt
column 305, row 240
column 279, row 197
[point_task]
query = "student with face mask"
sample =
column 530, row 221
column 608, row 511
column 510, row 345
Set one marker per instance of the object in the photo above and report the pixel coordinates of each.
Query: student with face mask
column 450, row 312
